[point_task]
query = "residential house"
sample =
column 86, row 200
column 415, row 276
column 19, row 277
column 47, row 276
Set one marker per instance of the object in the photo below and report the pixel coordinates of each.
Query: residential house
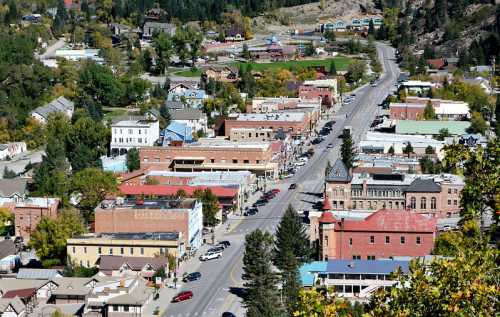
column 13, row 189
column 126, row 266
column 434, row 195
column 76, row 55
column 133, row 132
column 193, row 98
column 193, row 118
column 71, row 290
column 37, row 274
column 173, row 105
column 352, row 279
column 235, row 33
column 437, row 63
column 86, row 250
column 221, row 73
column 61, row 104
column 12, row 307
column 150, row 28
column 382, row 234
column 177, row 132
column 10, row 150
column 481, row 82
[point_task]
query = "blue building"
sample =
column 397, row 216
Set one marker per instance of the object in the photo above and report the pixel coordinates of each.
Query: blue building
column 192, row 97
column 177, row 132
column 353, row 279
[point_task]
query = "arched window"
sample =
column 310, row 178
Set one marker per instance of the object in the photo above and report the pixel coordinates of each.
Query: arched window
column 433, row 203
column 423, row 203
column 413, row 203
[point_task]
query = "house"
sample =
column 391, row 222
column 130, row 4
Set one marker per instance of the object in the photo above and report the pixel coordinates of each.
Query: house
column 382, row 234
column 150, row 28
column 179, row 132
column 436, row 63
column 10, row 150
column 221, row 73
column 413, row 109
column 192, row 98
column 433, row 195
column 126, row 266
column 37, row 274
column 61, row 104
column 193, row 118
column 12, row 307
column 352, row 279
column 125, row 297
column 43, row 288
column 133, row 132
column 481, row 82
column 86, row 250
column 325, row 88
column 173, row 105
column 13, row 189
column 235, row 33
column 76, row 55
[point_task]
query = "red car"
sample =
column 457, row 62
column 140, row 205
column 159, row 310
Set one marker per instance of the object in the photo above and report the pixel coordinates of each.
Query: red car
column 275, row 190
column 182, row 296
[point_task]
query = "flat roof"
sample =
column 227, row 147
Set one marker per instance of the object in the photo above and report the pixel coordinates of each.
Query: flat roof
column 366, row 266
column 160, row 236
column 163, row 204
column 133, row 123
column 275, row 116
column 431, row 127
column 223, row 143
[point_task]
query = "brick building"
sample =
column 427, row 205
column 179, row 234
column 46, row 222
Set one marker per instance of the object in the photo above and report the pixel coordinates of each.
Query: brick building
column 212, row 155
column 437, row 195
column 251, row 134
column 413, row 109
column 152, row 215
column 294, row 123
column 382, row 234
column 314, row 92
column 29, row 211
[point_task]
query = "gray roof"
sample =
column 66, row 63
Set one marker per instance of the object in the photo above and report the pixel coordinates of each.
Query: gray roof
column 15, row 303
column 7, row 248
column 10, row 187
column 338, row 173
column 12, row 284
column 60, row 104
column 420, row 185
column 186, row 114
column 38, row 274
column 72, row 285
column 113, row 262
column 137, row 296
column 174, row 105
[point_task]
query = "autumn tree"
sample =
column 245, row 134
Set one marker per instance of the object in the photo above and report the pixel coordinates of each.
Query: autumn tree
column 355, row 71
column 313, row 303
column 429, row 113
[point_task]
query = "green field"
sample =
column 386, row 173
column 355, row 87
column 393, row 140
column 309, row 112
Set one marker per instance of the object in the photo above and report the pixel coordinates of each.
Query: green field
column 340, row 62
column 111, row 112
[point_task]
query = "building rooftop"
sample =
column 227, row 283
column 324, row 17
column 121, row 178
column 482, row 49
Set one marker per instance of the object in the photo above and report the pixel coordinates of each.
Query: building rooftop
column 60, row 104
column 15, row 303
column 366, row 266
column 420, row 185
column 108, row 263
column 275, row 116
column 170, row 190
column 403, row 179
column 431, row 127
column 163, row 204
column 186, row 114
column 133, row 122
column 338, row 173
column 223, row 143
column 38, row 274
column 11, row 187
column 158, row 236
column 417, row 83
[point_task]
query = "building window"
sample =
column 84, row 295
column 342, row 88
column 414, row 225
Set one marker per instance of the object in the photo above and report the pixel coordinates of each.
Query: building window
column 121, row 250
column 455, row 191
column 403, row 240
column 110, row 251
column 354, row 205
column 449, row 202
column 88, row 263
column 212, row 160
column 115, row 307
column 74, row 250
column 418, row 240
column 449, row 190
column 129, row 131
column 356, row 257
column 85, row 250
column 235, row 161
column 372, row 239
column 423, row 203
column 139, row 140
column 370, row 257
column 350, row 241
column 99, row 250
column 131, row 250
column 433, row 203
column 246, row 161
column 142, row 251
column 81, row 263
column 455, row 202
column 326, row 240
column 125, row 307
column 387, row 239
column 413, row 203
column 390, row 205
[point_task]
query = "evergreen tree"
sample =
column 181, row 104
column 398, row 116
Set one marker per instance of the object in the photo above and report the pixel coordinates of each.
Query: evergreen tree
column 347, row 150
column 165, row 117
column 290, row 281
column 371, row 28
column 429, row 113
column 8, row 173
column 12, row 14
column 328, row 168
column 61, row 17
column 391, row 150
column 333, row 68
column 133, row 162
column 497, row 116
column 408, row 149
column 262, row 295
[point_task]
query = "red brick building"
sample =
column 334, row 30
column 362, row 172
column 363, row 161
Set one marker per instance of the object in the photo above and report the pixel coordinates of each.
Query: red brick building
column 383, row 234
column 292, row 122
column 314, row 92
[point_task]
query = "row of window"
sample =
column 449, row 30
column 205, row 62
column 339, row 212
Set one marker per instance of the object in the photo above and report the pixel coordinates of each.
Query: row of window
column 423, row 203
column 377, row 193
column 234, row 161
column 130, row 131
column 455, row 190
column 130, row 140
column 374, row 204
column 402, row 240
column 121, row 250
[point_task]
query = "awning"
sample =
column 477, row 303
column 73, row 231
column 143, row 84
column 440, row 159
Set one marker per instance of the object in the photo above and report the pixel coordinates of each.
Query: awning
column 192, row 158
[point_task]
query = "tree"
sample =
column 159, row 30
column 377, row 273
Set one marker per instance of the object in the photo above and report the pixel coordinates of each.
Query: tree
column 8, row 173
column 180, row 41
column 92, row 185
column 165, row 117
column 497, row 117
column 391, row 150
column 50, row 235
column 6, row 219
column 194, row 39
column 262, row 295
column 452, row 243
column 371, row 28
column 245, row 52
column 133, row 162
column 443, row 133
column 210, row 206
column 466, row 285
column 477, row 123
column 355, row 71
column 164, row 49
column 455, row 154
column 408, row 149
column 98, row 82
column 314, row 303
column 429, row 113
column 329, row 36
column 429, row 150
column 333, row 68
column 347, row 151
column 328, row 167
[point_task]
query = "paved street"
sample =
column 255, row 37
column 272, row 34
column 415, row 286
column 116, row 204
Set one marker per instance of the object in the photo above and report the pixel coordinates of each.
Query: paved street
column 218, row 289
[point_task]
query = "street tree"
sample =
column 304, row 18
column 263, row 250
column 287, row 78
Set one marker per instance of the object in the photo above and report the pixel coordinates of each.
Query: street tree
column 429, row 150
column 328, row 168
column 133, row 162
column 210, row 206
column 429, row 113
column 355, row 71
column 333, row 68
column 391, row 150
column 408, row 149
column 347, row 151
column 260, row 280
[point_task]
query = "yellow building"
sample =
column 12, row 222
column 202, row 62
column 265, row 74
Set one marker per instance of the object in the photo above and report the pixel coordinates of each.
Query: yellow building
column 87, row 249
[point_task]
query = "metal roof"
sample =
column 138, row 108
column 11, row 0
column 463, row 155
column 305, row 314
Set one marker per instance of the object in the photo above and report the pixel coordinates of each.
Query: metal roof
column 422, row 185
column 338, row 173
column 431, row 127
column 38, row 274
column 365, row 266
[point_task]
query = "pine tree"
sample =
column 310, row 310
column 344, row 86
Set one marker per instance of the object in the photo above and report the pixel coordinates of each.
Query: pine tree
column 371, row 28
column 263, row 298
column 347, row 151
column 497, row 116
column 408, row 149
column 290, row 281
column 333, row 68
column 133, row 162
column 391, row 150
column 429, row 113
column 328, row 168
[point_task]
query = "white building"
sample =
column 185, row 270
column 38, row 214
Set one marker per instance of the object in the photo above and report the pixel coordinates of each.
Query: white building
column 193, row 118
column 452, row 110
column 134, row 132
column 9, row 150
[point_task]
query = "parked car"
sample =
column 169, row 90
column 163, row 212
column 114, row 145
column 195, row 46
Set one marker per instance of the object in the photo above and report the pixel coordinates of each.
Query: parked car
column 225, row 243
column 216, row 249
column 182, row 296
column 228, row 314
column 330, row 146
column 210, row 256
column 251, row 211
column 260, row 202
column 192, row 277
column 299, row 163
column 275, row 190
column 292, row 186
column 303, row 159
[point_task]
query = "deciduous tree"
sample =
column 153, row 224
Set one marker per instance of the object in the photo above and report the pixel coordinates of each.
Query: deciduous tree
column 429, row 113
column 133, row 162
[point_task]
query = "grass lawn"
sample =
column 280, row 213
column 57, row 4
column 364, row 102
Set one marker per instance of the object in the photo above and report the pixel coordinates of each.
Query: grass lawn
column 110, row 112
column 341, row 64
column 188, row 73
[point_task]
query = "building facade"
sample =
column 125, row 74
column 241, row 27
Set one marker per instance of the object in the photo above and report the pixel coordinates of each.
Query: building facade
column 251, row 135
column 134, row 133
column 294, row 123
column 436, row 195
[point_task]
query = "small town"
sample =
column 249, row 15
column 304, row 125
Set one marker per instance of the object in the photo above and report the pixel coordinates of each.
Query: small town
column 285, row 158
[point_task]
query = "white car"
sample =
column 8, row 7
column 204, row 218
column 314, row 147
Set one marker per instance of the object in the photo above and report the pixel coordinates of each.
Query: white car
column 303, row 159
column 210, row 256
column 299, row 163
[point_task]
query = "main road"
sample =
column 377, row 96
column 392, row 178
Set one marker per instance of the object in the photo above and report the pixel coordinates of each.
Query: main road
column 218, row 289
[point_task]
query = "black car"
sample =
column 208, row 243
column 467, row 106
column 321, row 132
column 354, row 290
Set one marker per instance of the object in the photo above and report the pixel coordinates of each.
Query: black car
column 192, row 277
column 225, row 243
column 251, row 211
column 216, row 249
column 228, row 314
column 292, row 186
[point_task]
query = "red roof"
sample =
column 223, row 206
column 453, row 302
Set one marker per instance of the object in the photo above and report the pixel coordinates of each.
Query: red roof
column 326, row 204
column 168, row 190
column 391, row 221
column 130, row 175
column 436, row 63
column 327, row 217
column 21, row 293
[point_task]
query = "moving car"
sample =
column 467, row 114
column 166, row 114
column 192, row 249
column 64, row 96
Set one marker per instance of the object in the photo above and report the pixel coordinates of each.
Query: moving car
column 192, row 277
column 330, row 146
column 225, row 243
column 292, row 186
column 299, row 163
column 210, row 256
column 260, row 202
column 182, row 296
column 216, row 249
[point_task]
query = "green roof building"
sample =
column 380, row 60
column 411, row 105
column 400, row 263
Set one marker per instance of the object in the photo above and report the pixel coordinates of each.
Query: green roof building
column 431, row 127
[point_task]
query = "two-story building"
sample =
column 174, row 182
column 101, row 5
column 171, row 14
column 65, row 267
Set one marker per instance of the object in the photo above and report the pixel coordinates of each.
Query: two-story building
column 193, row 118
column 134, row 132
